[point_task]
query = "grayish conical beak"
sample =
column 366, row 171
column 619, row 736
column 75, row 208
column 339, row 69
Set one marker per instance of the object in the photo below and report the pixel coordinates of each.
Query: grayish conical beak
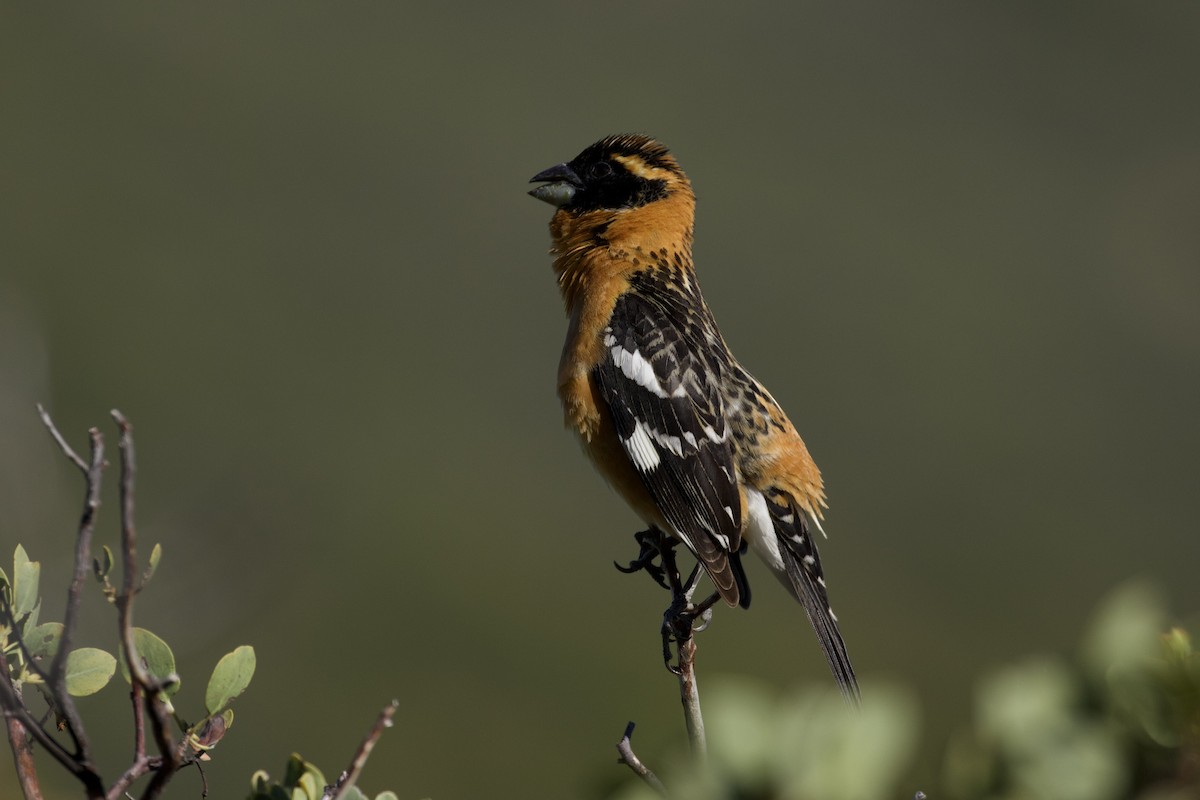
column 562, row 184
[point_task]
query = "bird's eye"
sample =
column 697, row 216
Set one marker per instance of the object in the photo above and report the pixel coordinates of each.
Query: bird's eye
column 601, row 169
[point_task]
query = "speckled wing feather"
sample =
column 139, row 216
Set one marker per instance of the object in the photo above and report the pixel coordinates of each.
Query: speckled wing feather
column 667, row 411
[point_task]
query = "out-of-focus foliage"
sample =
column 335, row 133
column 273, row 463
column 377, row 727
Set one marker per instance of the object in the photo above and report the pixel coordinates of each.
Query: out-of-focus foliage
column 1120, row 720
column 301, row 781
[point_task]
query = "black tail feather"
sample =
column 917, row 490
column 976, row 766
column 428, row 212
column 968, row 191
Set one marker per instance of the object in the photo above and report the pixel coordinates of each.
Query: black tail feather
column 816, row 604
column 803, row 566
column 739, row 575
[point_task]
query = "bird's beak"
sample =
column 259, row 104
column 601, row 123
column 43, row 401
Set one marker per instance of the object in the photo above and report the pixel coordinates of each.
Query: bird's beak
column 561, row 185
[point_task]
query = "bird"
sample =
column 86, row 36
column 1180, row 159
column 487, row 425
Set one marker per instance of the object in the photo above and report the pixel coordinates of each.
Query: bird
column 696, row 446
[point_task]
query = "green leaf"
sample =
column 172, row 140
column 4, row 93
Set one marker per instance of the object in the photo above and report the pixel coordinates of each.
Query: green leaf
column 88, row 671
column 43, row 639
column 308, row 784
column 155, row 557
column 318, row 777
column 26, row 575
column 32, row 620
column 386, row 796
column 156, row 655
column 229, row 678
column 296, row 767
column 102, row 565
column 259, row 783
column 353, row 793
column 1127, row 628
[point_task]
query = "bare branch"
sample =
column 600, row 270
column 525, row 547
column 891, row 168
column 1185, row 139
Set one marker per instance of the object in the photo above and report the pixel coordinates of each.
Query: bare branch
column 15, row 711
column 678, row 641
column 349, row 776
column 171, row 755
column 689, row 695
column 629, row 758
column 56, row 676
column 137, row 769
column 22, row 749
column 62, row 443
column 679, row 625
column 139, row 723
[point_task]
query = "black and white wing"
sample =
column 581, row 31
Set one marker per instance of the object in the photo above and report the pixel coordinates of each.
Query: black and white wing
column 658, row 381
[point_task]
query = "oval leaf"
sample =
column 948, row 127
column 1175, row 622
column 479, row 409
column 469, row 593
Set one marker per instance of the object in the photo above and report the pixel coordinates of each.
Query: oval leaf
column 155, row 557
column 229, row 678
column 155, row 655
column 42, row 640
column 26, row 575
column 31, row 621
column 88, row 670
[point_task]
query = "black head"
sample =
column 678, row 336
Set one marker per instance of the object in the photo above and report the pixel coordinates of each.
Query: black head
column 617, row 172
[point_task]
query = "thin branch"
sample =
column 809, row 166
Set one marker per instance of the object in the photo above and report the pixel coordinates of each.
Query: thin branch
column 83, row 555
column 171, row 755
column 56, row 676
column 678, row 633
column 679, row 624
column 689, row 696
column 14, row 709
column 629, row 758
column 142, row 763
column 62, row 443
column 203, row 780
column 139, row 723
column 22, row 750
column 137, row 769
column 349, row 776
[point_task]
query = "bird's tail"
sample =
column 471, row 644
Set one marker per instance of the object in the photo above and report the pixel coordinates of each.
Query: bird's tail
column 801, row 574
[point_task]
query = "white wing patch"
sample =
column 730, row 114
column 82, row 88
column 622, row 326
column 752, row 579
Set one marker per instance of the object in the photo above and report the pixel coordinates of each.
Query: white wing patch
column 712, row 434
column 641, row 449
column 672, row 443
column 635, row 367
column 643, row 445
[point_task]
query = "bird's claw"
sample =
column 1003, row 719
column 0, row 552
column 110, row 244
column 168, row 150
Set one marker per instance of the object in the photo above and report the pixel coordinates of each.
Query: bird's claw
column 679, row 623
column 656, row 557
column 649, row 558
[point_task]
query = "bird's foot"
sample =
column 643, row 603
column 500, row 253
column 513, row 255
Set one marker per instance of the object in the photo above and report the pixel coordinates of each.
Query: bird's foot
column 650, row 558
column 680, row 623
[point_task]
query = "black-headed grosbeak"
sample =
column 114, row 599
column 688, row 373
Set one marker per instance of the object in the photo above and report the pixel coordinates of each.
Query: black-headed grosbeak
column 689, row 438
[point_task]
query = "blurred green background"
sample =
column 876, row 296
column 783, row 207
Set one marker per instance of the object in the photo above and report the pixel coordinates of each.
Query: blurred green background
column 959, row 242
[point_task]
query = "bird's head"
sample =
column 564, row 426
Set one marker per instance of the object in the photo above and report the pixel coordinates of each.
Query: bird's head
column 617, row 173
